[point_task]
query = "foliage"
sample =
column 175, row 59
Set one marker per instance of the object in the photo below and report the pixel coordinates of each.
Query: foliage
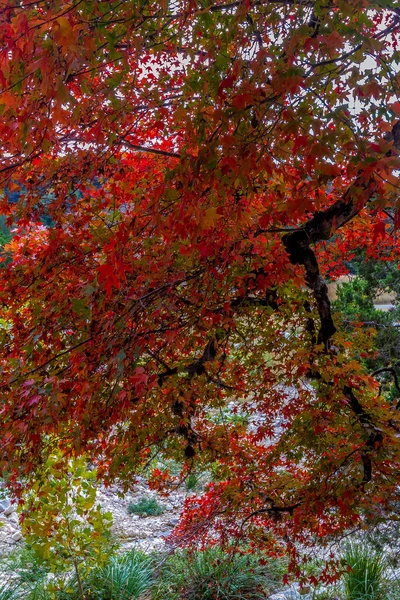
column 381, row 275
column 61, row 521
column 365, row 579
column 185, row 174
column 40, row 591
column 146, row 507
column 5, row 235
column 356, row 303
column 215, row 575
column 124, row 577
column 202, row 574
column 383, row 539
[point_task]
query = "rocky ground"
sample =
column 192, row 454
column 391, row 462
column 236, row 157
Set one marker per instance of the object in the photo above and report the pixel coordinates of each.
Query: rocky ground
column 147, row 533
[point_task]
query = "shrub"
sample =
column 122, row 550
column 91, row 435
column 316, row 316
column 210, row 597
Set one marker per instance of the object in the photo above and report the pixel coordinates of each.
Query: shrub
column 215, row 575
column 146, row 507
column 365, row 580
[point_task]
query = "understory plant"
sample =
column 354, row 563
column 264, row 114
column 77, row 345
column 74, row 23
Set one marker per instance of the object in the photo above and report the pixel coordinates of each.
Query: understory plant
column 9, row 591
column 26, row 565
column 63, row 523
column 124, row 577
column 213, row 574
column 146, row 507
column 365, row 577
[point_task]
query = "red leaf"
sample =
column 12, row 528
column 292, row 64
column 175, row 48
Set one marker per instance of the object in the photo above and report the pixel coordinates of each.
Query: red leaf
column 225, row 84
column 379, row 231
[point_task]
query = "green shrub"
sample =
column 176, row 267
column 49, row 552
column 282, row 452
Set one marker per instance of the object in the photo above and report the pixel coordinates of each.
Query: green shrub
column 146, row 507
column 365, row 580
column 215, row 575
column 63, row 522
column 27, row 571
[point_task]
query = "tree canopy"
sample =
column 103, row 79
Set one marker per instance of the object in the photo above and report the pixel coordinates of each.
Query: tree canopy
column 203, row 166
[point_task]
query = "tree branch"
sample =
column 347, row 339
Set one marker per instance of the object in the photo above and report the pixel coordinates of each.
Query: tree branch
column 146, row 149
column 321, row 227
column 392, row 371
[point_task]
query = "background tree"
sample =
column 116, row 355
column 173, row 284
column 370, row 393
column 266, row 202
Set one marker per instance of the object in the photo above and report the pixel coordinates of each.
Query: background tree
column 195, row 159
column 358, row 301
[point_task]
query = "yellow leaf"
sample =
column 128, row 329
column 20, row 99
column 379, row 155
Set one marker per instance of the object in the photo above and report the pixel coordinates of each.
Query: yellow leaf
column 210, row 217
column 65, row 33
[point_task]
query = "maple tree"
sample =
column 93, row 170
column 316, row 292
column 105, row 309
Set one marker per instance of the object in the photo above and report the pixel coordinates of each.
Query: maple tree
column 202, row 166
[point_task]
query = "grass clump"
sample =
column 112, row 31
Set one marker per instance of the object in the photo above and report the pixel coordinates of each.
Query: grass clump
column 365, row 578
column 39, row 592
column 146, row 507
column 216, row 575
column 10, row 591
column 124, row 577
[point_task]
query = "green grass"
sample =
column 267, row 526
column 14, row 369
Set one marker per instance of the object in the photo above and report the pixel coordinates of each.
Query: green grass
column 365, row 579
column 214, row 575
column 146, row 507
column 192, row 482
column 10, row 591
column 26, row 564
column 27, row 571
column 125, row 577
column 39, row 592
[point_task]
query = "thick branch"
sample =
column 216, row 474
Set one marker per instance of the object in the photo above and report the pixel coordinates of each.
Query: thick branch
column 321, row 227
column 375, row 436
column 297, row 245
column 146, row 149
